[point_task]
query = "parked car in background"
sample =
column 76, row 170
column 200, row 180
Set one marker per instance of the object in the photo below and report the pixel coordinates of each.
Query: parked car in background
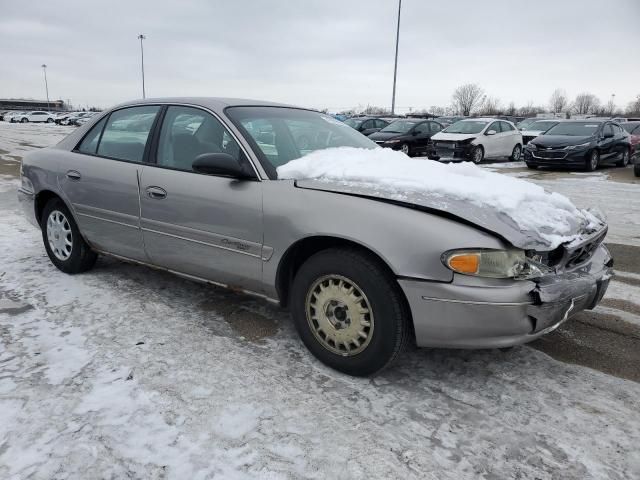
column 526, row 122
column 363, row 274
column 35, row 117
column 446, row 121
column 366, row 125
column 2, row 114
column 15, row 116
column 85, row 118
column 476, row 139
column 534, row 129
column 633, row 129
column 411, row 136
column 580, row 143
column 72, row 120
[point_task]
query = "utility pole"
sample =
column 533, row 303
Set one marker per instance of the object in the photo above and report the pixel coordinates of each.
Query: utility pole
column 613, row 104
column 141, row 37
column 46, row 85
column 395, row 66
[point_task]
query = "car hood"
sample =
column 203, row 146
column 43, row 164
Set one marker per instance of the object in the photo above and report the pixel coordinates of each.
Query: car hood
column 560, row 140
column 454, row 136
column 385, row 135
column 532, row 133
column 486, row 219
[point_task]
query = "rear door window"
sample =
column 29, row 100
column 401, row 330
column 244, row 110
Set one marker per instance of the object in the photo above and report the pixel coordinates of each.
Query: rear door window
column 126, row 133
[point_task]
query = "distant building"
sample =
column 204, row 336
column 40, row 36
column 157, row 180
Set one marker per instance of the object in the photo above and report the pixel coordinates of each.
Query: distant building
column 21, row 104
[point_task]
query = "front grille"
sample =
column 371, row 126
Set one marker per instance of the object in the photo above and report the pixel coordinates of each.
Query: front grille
column 582, row 254
column 527, row 138
column 549, row 154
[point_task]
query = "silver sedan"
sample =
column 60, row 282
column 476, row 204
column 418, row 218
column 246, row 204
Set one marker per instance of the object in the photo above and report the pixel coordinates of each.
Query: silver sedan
column 189, row 185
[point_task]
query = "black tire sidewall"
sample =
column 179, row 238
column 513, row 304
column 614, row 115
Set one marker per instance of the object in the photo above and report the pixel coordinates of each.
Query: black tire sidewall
column 408, row 149
column 385, row 298
column 589, row 166
column 81, row 257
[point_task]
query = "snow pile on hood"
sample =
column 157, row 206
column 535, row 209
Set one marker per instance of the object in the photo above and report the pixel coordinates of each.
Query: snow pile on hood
column 550, row 216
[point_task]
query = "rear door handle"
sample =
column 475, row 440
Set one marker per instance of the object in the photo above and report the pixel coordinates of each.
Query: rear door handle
column 73, row 175
column 156, row 192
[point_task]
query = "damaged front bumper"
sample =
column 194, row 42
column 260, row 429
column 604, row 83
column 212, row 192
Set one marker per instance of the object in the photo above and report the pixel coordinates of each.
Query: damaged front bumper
column 474, row 312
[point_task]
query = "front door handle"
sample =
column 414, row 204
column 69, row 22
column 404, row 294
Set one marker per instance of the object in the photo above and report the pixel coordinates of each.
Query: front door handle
column 156, row 192
column 73, row 175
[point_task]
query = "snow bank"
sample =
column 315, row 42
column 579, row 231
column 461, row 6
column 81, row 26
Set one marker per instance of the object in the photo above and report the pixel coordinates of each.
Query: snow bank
column 550, row 215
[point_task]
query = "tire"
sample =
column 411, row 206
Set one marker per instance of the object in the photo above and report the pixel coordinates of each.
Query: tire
column 49, row 120
column 57, row 220
column 624, row 161
column 592, row 162
column 477, row 155
column 24, row 120
column 516, row 154
column 636, row 169
column 406, row 149
column 318, row 282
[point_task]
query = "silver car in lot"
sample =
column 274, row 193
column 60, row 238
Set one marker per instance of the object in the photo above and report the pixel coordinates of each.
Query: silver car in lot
column 189, row 185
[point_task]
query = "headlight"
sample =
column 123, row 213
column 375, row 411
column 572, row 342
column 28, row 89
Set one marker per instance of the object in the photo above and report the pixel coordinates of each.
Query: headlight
column 391, row 141
column 578, row 147
column 494, row 263
column 531, row 146
column 466, row 141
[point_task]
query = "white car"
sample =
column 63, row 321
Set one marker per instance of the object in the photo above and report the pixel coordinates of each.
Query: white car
column 535, row 129
column 12, row 116
column 475, row 139
column 34, row 117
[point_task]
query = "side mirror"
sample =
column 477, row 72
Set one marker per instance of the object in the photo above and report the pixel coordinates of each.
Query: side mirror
column 219, row 164
column 491, row 132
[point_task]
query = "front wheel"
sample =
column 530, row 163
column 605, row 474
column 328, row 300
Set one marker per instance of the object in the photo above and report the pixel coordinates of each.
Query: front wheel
column 24, row 120
column 65, row 247
column 516, row 154
column 624, row 161
column 592, row 161
column 406, row 149
column 49, row 120
column 477, row 155
column 349, row 311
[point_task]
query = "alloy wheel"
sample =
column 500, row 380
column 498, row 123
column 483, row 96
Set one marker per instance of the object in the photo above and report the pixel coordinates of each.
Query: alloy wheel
column 405, row 148
column 517, row 151
column 59, row 235
column 593, row 160
column 339, row 315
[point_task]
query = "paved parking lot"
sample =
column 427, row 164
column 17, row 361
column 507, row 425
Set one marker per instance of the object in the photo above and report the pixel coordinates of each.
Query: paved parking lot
column 130, row 372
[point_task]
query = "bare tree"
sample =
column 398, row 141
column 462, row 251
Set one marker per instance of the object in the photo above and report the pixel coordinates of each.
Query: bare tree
column 490, row 106
column 467, row 98
column 435, row 110
column 586, row 103
column 610, row 107
column 634, row 107
column 375, row 110
column 511, row 109
column 528, row 110
column 558, row 101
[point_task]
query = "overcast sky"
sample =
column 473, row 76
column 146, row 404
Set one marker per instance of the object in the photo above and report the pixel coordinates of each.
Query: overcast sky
column 320, row 53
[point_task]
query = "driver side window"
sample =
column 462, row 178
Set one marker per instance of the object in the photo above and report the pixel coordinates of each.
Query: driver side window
column 495, row 126
column 188, row 132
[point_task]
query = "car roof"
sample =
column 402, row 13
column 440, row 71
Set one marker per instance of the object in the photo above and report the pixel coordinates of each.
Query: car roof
column 213, row 103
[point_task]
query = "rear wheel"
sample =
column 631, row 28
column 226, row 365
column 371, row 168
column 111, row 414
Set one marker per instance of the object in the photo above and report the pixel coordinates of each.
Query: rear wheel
column 49, row 120
column 516, row 154
column 65, row 247
column 24, row 120
column 406, row 149
column 477, row 154
column 592, row 161
column 624, row 161
column 349, row 311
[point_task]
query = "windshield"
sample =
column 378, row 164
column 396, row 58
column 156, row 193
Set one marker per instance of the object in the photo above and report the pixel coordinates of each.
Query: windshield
column 630, row 127
column 574, row 129
column 353, row 122
column 399, row 126
column 279, row 134
column 466, row 126
column 525, row 123
column 541, row 126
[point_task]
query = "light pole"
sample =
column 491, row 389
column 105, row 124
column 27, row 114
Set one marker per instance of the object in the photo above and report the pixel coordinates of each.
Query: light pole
column 613, row 104
column 141, row 37
column 46, row 85
column 395, row 66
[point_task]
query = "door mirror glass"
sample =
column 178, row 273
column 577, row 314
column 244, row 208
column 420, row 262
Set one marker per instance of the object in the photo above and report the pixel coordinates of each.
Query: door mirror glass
column 491, row 132
column 219, row 164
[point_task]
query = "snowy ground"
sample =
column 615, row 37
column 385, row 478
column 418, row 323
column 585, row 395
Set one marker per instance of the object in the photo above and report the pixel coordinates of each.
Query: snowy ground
column 126, row 372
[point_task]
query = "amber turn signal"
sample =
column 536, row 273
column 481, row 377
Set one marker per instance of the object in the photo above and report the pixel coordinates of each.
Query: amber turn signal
column 468, row 263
